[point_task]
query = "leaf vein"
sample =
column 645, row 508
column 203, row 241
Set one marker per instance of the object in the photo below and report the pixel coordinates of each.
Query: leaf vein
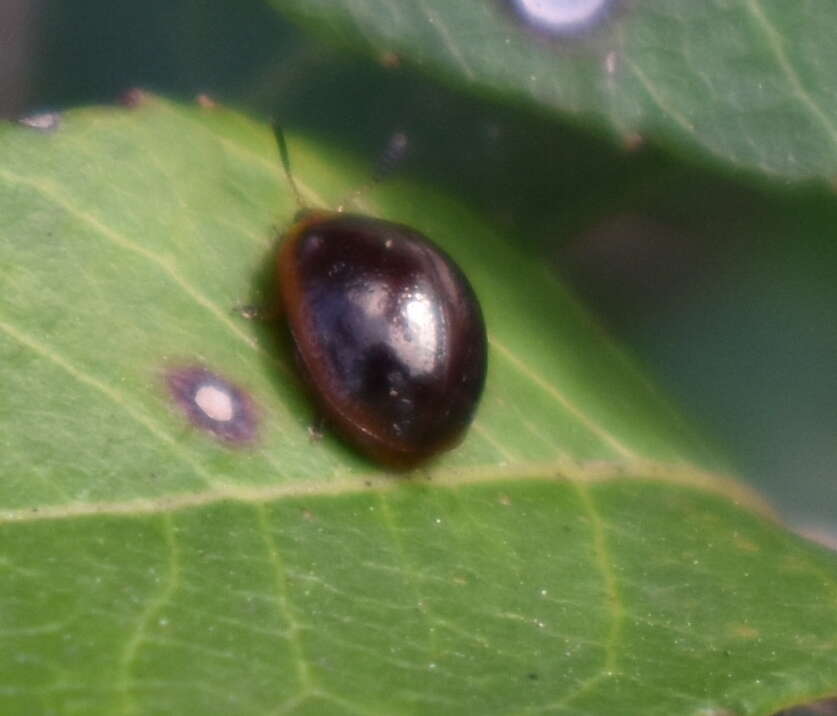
column 451, row 478
column 568, row 405
column 294, row 631
column 658, row 99
column 112, row 394
column 774, row 40
column 613, row 599
column 47, row 190
column 153, row 608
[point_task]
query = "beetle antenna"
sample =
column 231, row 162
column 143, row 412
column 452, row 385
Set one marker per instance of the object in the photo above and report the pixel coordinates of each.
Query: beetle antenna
column 284, row 157
column 395, row 152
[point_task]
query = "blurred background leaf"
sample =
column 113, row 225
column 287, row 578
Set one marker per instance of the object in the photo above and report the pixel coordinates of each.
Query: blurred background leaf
column 750, row 83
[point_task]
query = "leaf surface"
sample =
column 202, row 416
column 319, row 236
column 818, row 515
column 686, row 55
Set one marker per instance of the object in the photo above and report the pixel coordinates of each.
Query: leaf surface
column 580, row 552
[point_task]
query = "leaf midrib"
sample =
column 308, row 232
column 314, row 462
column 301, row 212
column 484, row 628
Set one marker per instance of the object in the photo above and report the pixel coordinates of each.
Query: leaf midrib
column 557, row 471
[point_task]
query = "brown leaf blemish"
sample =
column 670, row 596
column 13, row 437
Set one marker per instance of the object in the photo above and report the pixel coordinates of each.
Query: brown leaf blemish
column 213, row 404
column 206, row 101
column 133, row 97
column 744, row 631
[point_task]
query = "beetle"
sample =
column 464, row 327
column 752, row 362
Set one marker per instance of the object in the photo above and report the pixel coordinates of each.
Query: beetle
column 388, row 332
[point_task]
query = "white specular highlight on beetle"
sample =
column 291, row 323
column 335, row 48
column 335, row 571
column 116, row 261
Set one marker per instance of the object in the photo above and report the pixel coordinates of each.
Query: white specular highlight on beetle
column 422, row 332
column 416, row 339
column 557, row 15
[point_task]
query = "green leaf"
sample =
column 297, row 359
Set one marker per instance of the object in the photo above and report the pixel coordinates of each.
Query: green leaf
column 750, row 82
column 579, row 552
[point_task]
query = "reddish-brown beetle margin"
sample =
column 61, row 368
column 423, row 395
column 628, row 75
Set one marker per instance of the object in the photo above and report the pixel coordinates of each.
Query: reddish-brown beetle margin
column 362, row 427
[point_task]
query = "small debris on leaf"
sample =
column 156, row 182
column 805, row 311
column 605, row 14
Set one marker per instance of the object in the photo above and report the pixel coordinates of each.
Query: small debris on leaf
column 205, row 101
column 42, row 121
column 133, row 97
